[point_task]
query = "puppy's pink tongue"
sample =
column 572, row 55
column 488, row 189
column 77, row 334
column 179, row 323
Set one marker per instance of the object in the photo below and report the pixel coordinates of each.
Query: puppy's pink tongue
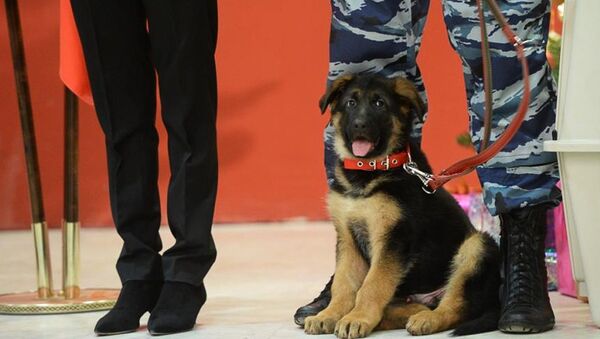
column 360, row 148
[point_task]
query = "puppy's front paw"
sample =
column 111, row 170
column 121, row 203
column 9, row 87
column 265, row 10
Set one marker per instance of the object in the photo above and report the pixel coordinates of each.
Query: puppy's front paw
column 425, row 322
column 319, row 324
column 350, row 327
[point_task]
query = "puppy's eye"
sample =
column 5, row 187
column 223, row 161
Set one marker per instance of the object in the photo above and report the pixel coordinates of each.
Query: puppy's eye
column 351, row 103
column 379, row 103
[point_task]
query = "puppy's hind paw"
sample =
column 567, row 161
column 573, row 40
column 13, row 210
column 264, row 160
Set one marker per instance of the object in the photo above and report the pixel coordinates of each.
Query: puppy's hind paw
column 425, row 322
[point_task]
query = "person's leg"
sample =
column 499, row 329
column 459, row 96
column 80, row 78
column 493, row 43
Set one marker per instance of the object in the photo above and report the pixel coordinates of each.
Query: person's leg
column 522, row 174
column 117, row 53
column 183, row 34
column 382, row 38
column 373, row 37
column 520, row 182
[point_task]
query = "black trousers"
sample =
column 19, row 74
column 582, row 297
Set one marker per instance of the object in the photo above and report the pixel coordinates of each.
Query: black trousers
column 126, row 43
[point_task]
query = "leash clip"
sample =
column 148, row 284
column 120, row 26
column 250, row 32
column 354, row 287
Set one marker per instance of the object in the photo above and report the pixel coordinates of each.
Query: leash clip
column 411, row 168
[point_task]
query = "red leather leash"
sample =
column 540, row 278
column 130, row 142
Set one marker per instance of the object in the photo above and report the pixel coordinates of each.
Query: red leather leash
column 432, row 182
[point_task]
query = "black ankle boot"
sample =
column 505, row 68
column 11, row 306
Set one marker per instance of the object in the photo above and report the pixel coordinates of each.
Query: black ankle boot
column 315, row 306
column 136, row 298
column 524, row 294
column 177, row 308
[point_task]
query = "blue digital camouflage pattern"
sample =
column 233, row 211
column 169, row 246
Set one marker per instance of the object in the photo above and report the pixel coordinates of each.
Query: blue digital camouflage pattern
column 384, row 36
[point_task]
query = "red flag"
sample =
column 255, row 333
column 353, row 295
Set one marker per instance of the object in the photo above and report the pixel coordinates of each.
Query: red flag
column 72, row 68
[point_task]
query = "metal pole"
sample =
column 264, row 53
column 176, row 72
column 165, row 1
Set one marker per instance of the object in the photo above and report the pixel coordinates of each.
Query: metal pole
column 39, row 226
column 44, row 301
column 71, row 199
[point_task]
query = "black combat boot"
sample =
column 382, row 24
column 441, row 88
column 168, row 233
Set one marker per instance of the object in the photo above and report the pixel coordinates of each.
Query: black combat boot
column 315, row 306
column 524, row 294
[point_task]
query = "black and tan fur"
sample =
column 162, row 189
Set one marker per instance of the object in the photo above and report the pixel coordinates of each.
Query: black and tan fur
column 394, row 240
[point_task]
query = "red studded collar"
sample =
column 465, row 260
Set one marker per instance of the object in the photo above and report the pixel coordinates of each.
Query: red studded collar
column 391, row 161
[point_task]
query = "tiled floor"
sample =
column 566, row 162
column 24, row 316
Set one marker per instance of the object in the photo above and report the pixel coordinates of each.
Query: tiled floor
column 263, row 272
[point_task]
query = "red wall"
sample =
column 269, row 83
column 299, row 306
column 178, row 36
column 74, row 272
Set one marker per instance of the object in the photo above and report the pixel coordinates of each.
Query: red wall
column 272, row 63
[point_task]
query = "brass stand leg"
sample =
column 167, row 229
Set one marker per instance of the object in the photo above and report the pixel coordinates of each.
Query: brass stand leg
column 42, row 258
column 39, row 228
column 71, row 259
column 44, row 301
column 72, row 299
column 71, row 200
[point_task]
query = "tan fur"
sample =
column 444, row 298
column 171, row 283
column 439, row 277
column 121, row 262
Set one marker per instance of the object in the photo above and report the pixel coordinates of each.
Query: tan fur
column 338, row 141
column 406, row 89
column 393, row 140
column 358, row 191
column 342, row 180
column 396, row 316
column 374, row 184
column 451, row 308
column 379, row 213
column 378, row 289
column 350, row 271
column 357, row 92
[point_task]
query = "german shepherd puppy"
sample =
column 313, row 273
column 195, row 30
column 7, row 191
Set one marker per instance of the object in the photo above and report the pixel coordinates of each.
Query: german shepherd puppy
column 396, row 243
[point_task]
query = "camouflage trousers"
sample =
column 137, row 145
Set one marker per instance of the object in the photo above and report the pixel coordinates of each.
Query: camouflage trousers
column 384, row 37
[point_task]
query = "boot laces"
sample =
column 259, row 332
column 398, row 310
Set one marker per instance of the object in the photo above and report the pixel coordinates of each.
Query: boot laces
column 522, row 278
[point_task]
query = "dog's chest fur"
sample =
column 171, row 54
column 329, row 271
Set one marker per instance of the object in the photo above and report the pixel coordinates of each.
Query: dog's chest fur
column 367, row 219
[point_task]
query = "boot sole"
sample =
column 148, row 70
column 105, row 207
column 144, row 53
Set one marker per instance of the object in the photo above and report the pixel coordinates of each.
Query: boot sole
column 305, row 312
column 157, row 334
column 523, row 329
column 106, row 334
column 299, row 321
column 299, row 317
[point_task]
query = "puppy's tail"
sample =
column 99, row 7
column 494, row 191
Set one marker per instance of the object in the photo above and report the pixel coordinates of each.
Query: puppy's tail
column 487, row 322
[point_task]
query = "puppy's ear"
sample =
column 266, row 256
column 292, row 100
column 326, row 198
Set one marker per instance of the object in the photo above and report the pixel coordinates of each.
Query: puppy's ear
column 333, row 91
column 407, row 91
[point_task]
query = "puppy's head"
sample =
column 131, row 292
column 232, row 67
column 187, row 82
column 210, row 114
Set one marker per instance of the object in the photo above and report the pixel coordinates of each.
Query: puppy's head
column 372, row 115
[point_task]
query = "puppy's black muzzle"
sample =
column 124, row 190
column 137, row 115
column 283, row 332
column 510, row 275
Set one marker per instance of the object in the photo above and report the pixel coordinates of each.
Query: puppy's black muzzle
column 362, row 128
